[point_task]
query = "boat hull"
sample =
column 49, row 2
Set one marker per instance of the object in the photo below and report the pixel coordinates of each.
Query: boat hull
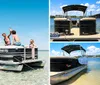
column 62, row 63
column 15, row 58
column 19, row 66
column 65, row 75
column 11, row 67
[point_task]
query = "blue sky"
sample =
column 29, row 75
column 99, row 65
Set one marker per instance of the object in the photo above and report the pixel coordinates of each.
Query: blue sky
column 91, row 48
column 28, row 17
column 93, row 5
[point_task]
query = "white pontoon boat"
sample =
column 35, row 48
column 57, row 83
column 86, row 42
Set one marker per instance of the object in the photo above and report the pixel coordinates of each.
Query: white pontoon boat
column 15, row 58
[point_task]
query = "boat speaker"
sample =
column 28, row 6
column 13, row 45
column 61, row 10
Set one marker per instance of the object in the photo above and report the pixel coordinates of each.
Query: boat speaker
column 17, row 58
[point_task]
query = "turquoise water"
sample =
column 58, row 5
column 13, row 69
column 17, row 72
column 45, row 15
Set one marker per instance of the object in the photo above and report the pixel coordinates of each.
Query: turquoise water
column 93, row 64
column 31, row 77
column 52, row 25
column 89, row 77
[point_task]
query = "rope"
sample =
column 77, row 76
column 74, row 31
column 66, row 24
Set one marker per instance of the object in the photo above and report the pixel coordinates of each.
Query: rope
column 25, row 64
column 25, row 59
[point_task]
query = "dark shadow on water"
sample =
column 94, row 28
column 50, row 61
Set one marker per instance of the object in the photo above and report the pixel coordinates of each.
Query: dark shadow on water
column 73, row 79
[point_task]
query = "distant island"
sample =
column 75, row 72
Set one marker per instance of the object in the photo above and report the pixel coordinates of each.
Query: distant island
column 43, row 50
column 60, row 16
column 94, row 56
column 89, row 56
column 96, row 16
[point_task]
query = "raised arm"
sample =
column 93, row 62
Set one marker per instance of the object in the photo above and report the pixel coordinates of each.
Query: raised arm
column 10, row 33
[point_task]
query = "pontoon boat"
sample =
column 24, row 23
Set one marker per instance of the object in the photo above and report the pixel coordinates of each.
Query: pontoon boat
column 15, row 58
column 83, row 29
column 63, row 68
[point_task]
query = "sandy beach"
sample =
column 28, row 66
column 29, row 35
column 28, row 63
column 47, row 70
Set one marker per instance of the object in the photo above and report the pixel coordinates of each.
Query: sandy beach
column 88, row 79
column 90, row 76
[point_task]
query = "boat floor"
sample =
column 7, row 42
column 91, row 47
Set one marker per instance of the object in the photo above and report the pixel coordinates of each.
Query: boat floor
column 76, row 35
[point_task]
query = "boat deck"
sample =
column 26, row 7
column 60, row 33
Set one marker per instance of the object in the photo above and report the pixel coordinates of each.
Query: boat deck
column 76, row 36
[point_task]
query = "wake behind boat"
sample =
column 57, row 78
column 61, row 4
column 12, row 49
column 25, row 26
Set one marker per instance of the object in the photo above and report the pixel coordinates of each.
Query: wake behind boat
column 63, row 68
column 15, row 58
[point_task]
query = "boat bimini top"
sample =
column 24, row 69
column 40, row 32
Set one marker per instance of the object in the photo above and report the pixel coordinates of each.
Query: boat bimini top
column 70, row 48
column 74, row 7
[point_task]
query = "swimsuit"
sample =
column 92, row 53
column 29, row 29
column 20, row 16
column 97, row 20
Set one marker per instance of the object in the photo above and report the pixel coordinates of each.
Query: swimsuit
column 7, row 40
column 17, row 43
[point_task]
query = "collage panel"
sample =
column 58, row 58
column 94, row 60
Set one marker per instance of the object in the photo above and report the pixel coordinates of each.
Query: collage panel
column 74, row 20
column 74, row 42
column 24, row 42
column 56, row 42
column 75, row 63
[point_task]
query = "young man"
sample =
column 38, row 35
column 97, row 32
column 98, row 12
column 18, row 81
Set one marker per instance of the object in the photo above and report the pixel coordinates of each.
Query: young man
column 6, row 39
column 16, row 40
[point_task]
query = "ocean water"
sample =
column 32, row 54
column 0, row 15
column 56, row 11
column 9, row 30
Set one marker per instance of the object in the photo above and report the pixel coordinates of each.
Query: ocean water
column 91, row 76
column 38, row 76
column 97, row 25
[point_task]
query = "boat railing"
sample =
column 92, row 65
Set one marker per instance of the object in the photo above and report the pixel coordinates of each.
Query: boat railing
column 24, row 53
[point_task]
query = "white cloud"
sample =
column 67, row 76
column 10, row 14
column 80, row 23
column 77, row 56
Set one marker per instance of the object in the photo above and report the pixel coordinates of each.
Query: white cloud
column 82, row 4
column 56, row 53
column 55, row 12
column 78, row 13
column 86, row 4
column 98, row 10
column 98, row 2
column 63, row 5
column 75, row 53
column 91, row 8
column 92, row 50
column 94, row 8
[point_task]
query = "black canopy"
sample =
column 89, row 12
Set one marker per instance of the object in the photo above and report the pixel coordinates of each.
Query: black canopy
column 74, row 7
column 70, row 48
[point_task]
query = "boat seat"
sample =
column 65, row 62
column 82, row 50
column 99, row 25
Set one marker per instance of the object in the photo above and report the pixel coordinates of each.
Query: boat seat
column 87, row 26
column 54, row 34
column 61, row 25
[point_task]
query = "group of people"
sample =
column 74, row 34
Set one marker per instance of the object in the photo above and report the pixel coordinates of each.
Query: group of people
column 15, row 38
